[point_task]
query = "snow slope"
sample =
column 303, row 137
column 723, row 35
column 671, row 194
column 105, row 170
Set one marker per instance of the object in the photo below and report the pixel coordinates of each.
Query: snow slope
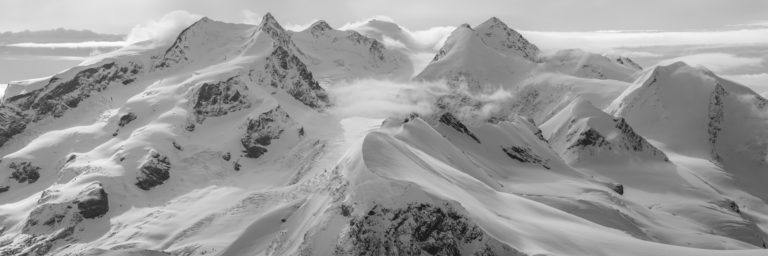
column 335, row 55
column 224, row 142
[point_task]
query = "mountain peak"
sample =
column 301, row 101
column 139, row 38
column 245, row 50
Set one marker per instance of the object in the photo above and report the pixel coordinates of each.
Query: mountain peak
column 497, row 35
column 321, row 25
column 465, row 26
column 268, row 22
column 492, row 21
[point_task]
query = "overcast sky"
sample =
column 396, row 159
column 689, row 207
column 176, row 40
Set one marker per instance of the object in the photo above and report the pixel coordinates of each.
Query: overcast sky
column 119, row 16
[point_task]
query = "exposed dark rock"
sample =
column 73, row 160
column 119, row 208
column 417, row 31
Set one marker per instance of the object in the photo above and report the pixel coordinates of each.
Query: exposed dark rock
column 4, row 189
column 177, row 146
column 524, row 155
column 126, row 119
column 716, row 117
column 220, row 98
column 262, row 130
column 24, row 172
column 286, row 71
column 448, row 119
column 93, row 202
column 236, row 165
column 589, row 138
column 226, row 156
column 418, row 229
column 618, row 188
column 12, row 122
column 154, row 171
column 59, row 95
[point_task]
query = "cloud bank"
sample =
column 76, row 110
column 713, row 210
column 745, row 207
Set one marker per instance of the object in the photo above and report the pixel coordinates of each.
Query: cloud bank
column 163, row 30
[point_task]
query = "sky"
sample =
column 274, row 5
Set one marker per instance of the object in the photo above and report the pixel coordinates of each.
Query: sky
column 729, row 37
column 119, row 16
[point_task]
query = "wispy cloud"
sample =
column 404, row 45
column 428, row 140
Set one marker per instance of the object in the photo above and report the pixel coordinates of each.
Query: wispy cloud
column 602, row 40
column 163, row 30
column 758, row 82
column 88, row 44
column 718, row 62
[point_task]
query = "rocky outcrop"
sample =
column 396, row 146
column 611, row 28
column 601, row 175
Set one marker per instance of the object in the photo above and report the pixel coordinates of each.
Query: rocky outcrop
column 451, row 121
column 524, row 155
column 55, row 219
column 60, row 95
column 582, row 131
column 286, row 71
column 24, row 172
column 263, row 129
column 716, row 116
column 417, row 229
column 93, row 202
column 154, row 171
column 220, row 98
column 12, row 122
column 126, row 119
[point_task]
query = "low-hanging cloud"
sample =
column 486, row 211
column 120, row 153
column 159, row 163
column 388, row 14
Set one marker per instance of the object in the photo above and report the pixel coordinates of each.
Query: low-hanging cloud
column 718, row 62
column 88, row 44
column 163, row 30
column 383, row 98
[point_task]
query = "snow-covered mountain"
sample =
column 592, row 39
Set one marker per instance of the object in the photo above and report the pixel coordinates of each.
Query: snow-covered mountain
column 225, row 141
column 338, row 55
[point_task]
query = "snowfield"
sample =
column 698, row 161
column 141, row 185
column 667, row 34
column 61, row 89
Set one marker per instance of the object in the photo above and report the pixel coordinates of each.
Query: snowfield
column 239, row 139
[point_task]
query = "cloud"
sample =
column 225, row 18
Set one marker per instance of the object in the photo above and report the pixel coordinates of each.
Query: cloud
column 164, row 30
column 88, row 44
column 251, row 17
column 718, row 62
column 432, row 38
column 603, row 40
column 299, row 27
column 383, row 98
column 385, row 28
column 758, row 82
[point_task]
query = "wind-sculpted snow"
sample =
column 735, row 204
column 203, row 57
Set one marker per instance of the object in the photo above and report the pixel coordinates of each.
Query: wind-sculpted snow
column 581, row 131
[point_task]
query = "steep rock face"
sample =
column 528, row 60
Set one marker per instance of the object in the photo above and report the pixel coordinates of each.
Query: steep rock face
column 93, row 202
column 525, row 155
column 56, row 218
column 263, row 129
column 450, row 120
column 284, row 70
column 220, row 98
column 581, row 131
column 12, row 122
column 60, row 95
column 418, row 229
column 154, row 171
